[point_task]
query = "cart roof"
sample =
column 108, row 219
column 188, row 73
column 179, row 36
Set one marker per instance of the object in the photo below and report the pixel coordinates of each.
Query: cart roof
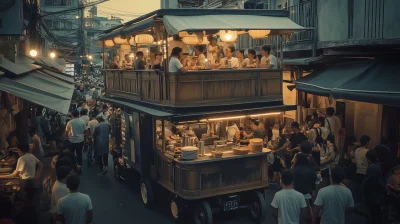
column 177, row 20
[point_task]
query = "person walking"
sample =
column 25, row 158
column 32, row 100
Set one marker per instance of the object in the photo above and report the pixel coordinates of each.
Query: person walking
column 75, row 208
column 101, row 141
column 59, row 189
column 288, row 205
column 373, row 188
column 335, row 200
column 76, row 130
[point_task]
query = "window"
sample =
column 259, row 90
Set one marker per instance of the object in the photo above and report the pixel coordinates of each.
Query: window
column 58, row 2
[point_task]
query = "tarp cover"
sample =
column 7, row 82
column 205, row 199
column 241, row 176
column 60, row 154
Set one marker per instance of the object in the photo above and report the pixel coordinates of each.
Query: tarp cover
column 175, row 24
column 41, row 89
column 371, row 81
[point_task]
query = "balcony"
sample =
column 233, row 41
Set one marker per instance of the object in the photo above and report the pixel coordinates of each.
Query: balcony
column 195, row 88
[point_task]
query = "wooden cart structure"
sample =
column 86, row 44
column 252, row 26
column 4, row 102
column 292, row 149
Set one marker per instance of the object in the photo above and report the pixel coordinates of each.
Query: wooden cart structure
column 148, row 98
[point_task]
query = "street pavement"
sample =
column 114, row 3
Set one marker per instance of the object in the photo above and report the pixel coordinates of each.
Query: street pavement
column 116, row 202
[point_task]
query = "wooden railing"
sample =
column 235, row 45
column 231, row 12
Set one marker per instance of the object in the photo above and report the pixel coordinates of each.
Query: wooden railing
column 195, row 87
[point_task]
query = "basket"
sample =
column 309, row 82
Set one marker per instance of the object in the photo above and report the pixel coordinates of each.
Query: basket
column 216, row 154
column 241, row 151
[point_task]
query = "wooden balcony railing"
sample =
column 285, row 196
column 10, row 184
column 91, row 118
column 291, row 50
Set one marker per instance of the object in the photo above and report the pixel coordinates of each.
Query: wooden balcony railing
column 195, row 87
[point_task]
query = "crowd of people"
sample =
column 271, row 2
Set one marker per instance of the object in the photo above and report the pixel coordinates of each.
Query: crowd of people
column 321, row 184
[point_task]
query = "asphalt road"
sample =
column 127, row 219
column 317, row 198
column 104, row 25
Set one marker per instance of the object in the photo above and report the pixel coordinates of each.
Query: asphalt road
column 120, row 202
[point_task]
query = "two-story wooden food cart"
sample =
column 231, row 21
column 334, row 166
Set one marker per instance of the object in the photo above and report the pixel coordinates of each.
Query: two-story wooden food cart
column 163, row 111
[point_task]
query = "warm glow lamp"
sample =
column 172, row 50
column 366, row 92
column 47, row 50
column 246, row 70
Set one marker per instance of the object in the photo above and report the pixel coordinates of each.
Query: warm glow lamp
column 258, row 34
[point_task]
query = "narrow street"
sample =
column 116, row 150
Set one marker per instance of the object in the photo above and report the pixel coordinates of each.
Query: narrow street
column 120, row 201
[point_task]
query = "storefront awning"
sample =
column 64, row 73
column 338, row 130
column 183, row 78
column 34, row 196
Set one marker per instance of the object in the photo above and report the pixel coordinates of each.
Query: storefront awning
column 322, row 82
column 61, row 76
column 143, row 25
column 175, row 24
column 50, row 63
column 371, row 81
column 40, row 88
column 157, row 113
column 16, row 68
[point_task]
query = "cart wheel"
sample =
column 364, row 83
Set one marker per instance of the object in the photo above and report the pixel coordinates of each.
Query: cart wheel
column 258, row 207
column 147, row 193
column 203, row 213
column 177, row 210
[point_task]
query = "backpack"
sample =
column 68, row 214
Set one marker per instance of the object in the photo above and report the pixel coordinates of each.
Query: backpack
column 319, row 140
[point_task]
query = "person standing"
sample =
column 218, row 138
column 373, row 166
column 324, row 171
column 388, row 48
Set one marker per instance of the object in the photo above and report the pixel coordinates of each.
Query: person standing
column 268, row 60
column 288, row 205
column 101, row 144
column 361, row 159
column 59, row 189
column 76, row 130
column 335, row 200
column 104, row 114
column 37, row 149
column 75, row 208
column 92, row 124
column 373, row 188
column 139, row 63
column 332, row 123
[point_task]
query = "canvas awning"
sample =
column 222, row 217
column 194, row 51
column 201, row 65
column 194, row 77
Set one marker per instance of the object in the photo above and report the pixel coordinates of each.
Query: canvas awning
column 40, row 88
column 371, row 81
column 176, row 24
column 49, row 63
column 16, row 68
column 143, row 25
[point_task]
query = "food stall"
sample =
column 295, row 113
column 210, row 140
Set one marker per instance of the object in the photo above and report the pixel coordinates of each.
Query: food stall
column 184, row 131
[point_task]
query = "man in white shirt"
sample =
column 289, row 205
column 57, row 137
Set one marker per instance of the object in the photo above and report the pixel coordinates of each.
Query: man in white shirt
column 75, row 208
column 177, row 42
column 104, row 114
column 268, row 60
column 59, row 189
column 75, row 130
column 229, row 61
column 201, row 58
column 288, row 205
column 26, row 165
column 175, row 64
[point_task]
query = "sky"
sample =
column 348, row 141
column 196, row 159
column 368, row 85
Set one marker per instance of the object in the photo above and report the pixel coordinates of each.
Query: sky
column 127, row 9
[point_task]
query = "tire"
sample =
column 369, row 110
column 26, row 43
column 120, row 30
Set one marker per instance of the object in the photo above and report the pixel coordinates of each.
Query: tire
column 202, row 213
column 258, row 207
column 177, row 210
column 147, row 193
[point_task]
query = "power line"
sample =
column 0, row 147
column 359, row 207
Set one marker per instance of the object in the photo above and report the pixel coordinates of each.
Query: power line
column 119, row 10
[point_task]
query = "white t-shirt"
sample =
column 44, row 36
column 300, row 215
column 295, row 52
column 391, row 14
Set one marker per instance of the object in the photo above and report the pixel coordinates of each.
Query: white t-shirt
column 270, row 60
column 249, row 63
column 105, row 116
column 74, row 208
column 201, row 60
column 26, row 165
column 76, row 130
column 334, row 199
column 289, row 203
column 361, row 160
column 92, row 125
column 58, row 191
column 85, row 119
column 174, row 65
column 177, row 43
column 234, row 62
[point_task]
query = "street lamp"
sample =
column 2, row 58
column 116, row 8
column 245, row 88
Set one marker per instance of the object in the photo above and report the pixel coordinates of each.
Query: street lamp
column 52, row 55
column 33, row 53
column 90, row 57
column 77, row 17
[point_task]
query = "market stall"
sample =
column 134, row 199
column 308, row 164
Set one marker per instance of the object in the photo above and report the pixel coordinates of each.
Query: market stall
column 200, row 133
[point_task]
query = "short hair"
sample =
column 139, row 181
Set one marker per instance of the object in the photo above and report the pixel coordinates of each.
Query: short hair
column 251, row 51
column 75, row 113
column 32, row 131
column 306, row 147
column 337, row 175
column 73, row 182
column 330, row 111
column 232, row 48
column 372, row 156
column 140, row 54
column 80, row 103
column 266, row 48
column 84, row 112
column 241, row 51
column 331, row 138
column 24, row 147
column 200, row 48
column 287, row 177
column 364, row 140
column 176, row 51
column 295, row 125
column 62, row 172
column 63, row 162
column 104, row 107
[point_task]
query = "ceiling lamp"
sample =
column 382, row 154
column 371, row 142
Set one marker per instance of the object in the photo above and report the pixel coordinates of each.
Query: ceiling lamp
column 125, row 47
column 191, row 40
column 109, row 43
column 183, row 34
column 120, row 40
column 228, row 35
column 258, row 34
column 132, row 41
column 144, row 39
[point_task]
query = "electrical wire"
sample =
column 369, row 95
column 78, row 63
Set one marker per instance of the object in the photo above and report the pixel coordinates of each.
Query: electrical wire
column 119, row 10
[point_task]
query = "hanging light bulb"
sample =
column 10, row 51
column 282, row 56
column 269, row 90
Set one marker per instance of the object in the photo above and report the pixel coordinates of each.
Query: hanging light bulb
column 228, row 35
column 258, row 34
column 52, row 55
column 33, row 53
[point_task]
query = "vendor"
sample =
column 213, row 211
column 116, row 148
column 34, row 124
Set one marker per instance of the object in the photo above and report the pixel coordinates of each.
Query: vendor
column 201, row 58
column 258, row 129
column 26, row 165
column 175, row 64
column 177, row 42
column 233, row 131
column 212, row 51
